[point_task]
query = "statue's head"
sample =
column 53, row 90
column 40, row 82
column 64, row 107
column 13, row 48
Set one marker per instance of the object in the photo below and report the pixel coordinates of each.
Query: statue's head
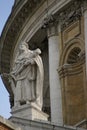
column 23, row 46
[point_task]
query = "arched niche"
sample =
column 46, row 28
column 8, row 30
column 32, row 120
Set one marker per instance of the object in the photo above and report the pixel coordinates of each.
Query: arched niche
column 72, row 77
column 43, row 45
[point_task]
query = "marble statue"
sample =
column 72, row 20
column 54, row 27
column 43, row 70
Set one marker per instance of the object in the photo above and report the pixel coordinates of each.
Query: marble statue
column 27, row 76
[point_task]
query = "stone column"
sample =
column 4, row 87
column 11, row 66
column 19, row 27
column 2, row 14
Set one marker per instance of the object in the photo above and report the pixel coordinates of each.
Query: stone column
column 55, row 88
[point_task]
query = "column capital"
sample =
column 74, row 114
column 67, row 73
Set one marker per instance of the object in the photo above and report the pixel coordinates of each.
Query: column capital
column 50, row 23
column 52, row 31
column 84, row 6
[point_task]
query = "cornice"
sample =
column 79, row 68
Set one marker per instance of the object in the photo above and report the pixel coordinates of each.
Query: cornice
column 71, row 14
column 67, row 15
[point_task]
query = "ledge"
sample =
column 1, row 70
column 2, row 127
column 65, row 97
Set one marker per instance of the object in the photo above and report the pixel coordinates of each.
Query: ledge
column 8, row 124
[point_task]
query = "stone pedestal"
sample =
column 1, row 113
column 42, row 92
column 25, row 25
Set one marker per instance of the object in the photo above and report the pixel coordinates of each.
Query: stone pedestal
column 29, row 111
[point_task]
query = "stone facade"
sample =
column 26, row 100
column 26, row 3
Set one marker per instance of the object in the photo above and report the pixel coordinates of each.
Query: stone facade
column 58, row 28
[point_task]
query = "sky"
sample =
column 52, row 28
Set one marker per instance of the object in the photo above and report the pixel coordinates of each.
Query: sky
column 5, row 10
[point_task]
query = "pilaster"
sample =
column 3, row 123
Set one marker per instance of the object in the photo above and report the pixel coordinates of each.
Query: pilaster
column 85, row 37
column 85, row 31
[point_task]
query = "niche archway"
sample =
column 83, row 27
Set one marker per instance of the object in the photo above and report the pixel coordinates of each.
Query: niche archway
column 72, row 75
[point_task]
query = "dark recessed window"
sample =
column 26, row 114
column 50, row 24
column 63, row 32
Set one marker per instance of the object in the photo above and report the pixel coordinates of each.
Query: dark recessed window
column 74, row 55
